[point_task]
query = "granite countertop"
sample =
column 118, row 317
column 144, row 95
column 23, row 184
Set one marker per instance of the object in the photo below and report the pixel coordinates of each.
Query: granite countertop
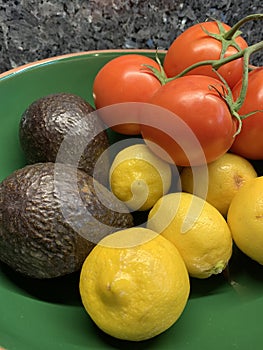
column 35, row 29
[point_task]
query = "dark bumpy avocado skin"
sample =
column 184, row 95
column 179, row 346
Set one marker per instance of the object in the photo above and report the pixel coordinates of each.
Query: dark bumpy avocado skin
column 36, row 235
column 48, row 120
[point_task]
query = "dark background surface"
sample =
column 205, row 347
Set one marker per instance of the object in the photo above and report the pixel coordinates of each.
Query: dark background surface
column 35, row 29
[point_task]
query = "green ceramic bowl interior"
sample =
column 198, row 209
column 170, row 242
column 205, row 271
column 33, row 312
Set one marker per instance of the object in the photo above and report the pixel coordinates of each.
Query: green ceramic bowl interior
column 223, row 312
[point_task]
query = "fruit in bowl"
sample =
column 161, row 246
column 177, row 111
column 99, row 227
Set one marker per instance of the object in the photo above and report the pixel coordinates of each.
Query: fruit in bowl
column 31, row 216
column 67, row 324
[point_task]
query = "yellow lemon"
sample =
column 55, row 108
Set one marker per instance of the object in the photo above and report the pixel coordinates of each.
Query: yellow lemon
column 134, row 284
column 245, row 219
column 218, row 181
column 196, row 228
column 138, row 177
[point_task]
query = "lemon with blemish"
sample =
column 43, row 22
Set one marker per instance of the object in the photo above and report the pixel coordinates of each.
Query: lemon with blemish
column 222, row 179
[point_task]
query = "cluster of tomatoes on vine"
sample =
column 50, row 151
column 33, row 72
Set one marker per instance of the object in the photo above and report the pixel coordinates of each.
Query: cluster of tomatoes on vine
column 203, row 100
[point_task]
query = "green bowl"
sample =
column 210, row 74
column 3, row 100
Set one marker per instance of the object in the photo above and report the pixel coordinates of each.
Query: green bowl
column 223, row 312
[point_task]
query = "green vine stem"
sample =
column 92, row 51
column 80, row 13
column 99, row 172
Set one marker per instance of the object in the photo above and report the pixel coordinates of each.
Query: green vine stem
column 231, row 32
column 216, row 64
column 246, row 53
column 234, row 106
column 223, row 36
column 228, row 37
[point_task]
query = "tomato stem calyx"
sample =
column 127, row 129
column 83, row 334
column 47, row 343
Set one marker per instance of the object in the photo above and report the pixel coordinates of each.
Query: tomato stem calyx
column 224, row 37
column 234, row 106
column 242, row 95
column 226, row 95
column 159, row 74
column 228, row 37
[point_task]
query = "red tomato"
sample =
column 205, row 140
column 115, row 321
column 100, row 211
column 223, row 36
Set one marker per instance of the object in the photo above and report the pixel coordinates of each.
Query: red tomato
column 124, row 79
column 194, row 45
column 249, row 142
column 187, row 122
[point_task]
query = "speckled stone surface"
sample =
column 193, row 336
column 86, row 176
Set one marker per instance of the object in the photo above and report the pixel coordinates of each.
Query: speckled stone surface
column 34, row 29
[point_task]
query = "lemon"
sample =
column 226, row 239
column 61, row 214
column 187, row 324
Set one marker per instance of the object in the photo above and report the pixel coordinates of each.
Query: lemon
column 138, row 177
column 134, row 284
column 226, row 176
column 196, row 228
column 245, row 219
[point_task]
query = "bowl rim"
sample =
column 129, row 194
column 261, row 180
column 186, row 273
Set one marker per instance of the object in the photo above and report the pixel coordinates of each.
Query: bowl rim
column 72, row 54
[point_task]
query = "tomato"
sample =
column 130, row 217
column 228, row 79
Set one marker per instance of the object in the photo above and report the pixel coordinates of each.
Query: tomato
column 194, row 45
column 187, row 122
column 249, row 142
column 124, row 79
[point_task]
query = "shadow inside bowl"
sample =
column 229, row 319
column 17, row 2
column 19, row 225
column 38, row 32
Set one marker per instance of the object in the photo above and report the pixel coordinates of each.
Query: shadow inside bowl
column 258, row 166
column 245, row 270
column 61, row 290
column 213, row 285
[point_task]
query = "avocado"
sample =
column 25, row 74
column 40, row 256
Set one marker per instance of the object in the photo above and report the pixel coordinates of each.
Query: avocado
column 67, row 120
column 51, row 217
